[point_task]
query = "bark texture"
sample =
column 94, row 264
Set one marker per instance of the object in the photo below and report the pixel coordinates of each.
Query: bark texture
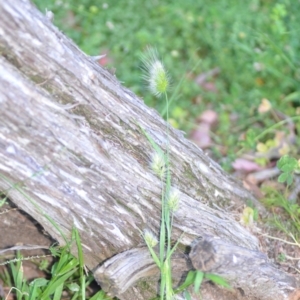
column 72, row 153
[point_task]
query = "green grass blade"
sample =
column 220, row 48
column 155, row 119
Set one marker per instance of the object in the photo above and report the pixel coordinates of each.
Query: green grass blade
column 58, row 292
column 55, row 283
column 152, row 142
column 190, row 278
column 198, row 280
column 187, row 295
column 218, row 280
column 100, row 296
column 81, row 263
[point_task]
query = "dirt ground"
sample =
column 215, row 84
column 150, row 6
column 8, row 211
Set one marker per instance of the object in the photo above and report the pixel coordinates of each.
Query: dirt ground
column 19, row 229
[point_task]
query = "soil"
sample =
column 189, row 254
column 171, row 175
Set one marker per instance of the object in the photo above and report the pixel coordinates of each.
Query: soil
column 19, row 229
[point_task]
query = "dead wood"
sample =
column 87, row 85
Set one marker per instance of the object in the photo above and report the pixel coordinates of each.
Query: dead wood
column 247, row 270
column 72, row 151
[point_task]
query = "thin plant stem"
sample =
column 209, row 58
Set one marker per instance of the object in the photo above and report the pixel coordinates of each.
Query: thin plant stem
column 162, row 239
column 167, row 258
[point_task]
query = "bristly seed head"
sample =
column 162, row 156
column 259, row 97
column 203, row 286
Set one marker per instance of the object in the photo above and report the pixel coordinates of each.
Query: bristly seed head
column 158, row 165
column 155, row 73
column 173, row 199
column 150, row 238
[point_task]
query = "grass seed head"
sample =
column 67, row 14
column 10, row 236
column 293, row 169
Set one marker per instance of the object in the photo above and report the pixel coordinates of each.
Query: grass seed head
column 150, row 238
column 158, row 164
column 155, row 75
column 173, row 199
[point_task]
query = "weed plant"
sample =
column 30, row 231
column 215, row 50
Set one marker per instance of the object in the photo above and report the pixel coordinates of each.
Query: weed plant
column 159, row 82
column 66, row 278
column 288, row 221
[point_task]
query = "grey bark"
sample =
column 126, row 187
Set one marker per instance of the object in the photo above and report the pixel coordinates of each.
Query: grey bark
column 72, row 152
column 208, row 254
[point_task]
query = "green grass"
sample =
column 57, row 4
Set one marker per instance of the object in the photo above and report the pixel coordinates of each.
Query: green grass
column 65, row 279
column 255, row 45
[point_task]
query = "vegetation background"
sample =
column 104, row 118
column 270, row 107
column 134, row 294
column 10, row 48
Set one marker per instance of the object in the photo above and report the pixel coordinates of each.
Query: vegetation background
column 230, row 53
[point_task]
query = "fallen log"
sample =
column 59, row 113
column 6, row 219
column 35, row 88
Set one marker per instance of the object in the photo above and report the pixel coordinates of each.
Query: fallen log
column 247, row 270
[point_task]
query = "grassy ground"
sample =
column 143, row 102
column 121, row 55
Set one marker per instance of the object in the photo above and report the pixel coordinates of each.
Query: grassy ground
column 252, row 46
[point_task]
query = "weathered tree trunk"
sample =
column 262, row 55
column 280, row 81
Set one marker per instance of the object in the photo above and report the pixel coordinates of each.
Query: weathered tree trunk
column 72, row 152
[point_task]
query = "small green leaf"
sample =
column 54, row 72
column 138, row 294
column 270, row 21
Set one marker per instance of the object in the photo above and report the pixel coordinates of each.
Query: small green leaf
column 250, row 140
column 289, row 167
column 287, row 163
column 289, row 179
column 74, row 287
column 39, row 282
column 283, row 177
